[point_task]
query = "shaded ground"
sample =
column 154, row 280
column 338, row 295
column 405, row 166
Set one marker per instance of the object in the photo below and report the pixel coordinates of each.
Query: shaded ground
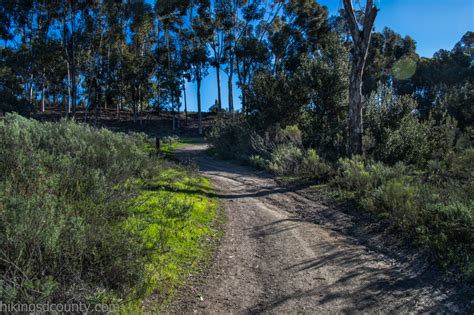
column 285, row 253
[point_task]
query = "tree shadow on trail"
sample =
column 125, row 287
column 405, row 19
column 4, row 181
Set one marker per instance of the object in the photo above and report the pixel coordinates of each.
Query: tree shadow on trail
column 362, row 285
column 274, row 227
column 201, row 190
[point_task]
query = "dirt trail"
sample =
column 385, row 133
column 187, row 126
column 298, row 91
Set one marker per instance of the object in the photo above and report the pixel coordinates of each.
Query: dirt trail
column 272, row 261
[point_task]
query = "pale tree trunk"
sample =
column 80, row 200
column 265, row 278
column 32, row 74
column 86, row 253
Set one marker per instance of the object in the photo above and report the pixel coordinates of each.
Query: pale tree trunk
column 173, row 112
column 31, row 90
column 361, row 40
column 230, row 88
column 218, row 75
column 73, row 72
column 235, row 5
column 178, row 115
column 139, row 107
column 42, row 96
column 185, row 105
column 70, row 93
column 134, row 102
column 199, row 105
column 68, row 106
column 119, row 105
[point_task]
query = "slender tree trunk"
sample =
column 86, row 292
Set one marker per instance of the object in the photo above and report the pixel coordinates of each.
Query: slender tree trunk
column 140, row 104
column 107, row 92
column 68, row 104
column 134, row 101
column 96, row 106
column 185, row 105
column 31, row 89
column 73, row 62
column 74, row 88
column 173, row 112
column 119, row 105
column 361, row 41
column 177, row 116
column 231, row 96
column 199, row 105
column 65, row 102
column 42, row 96
column 355, row 110
column 244, row 102
column 218, row 75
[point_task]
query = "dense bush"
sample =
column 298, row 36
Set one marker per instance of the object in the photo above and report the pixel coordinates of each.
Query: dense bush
column 230, row 138
column 433, row 206
column 62, row 193
column 68, row 197
column 281, row 151
column 281, row 148
column 286, row 159
column 313, row 166
column 393, row 131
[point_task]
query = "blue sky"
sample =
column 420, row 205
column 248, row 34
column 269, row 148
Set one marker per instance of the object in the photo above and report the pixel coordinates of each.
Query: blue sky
column 433, row 24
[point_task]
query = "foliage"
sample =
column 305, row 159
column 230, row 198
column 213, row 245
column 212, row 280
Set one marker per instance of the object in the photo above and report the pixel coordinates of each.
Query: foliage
column 170, row 140
column 258, row 161
column 425, row 191
column 229, row 137
column 415, row 142
column 324, row 118
column 68, row 195
column 292, row 67
column 274, row 100
column 434, row 206
column 286, row 159
column 313, row 166
column 394, row 132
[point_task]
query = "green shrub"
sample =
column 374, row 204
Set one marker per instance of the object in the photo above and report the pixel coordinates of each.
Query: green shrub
column 353, row 175
column 286, row 160
column 258, row 162
column 447, row 228
column 230, row 138
column 274, row 137
column 433, row 206
column 383, row 112
column 393, row 132
column 312, row 166
column 63, row 192
column 398, row 197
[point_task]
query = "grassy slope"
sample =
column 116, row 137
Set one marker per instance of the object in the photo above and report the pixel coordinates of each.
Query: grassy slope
column 175, row 219
column 140, row 223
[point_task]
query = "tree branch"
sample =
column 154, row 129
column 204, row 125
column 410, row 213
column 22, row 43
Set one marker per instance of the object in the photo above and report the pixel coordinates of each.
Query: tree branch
column 370, row 15
column 352, row 20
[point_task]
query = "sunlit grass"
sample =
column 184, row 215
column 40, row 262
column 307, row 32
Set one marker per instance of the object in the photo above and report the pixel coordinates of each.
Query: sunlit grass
column 174, row 220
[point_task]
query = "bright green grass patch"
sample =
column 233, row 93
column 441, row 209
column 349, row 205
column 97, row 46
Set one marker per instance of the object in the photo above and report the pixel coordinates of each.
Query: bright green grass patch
column 167, row 149
column 173, row 219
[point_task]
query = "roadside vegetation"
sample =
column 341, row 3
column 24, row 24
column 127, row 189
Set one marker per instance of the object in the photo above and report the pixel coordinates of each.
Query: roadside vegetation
column 361, row 113
column 416, row 174
column 94, row 216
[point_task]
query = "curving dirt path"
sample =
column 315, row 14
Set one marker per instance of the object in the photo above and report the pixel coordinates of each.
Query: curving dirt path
column 271, row 260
